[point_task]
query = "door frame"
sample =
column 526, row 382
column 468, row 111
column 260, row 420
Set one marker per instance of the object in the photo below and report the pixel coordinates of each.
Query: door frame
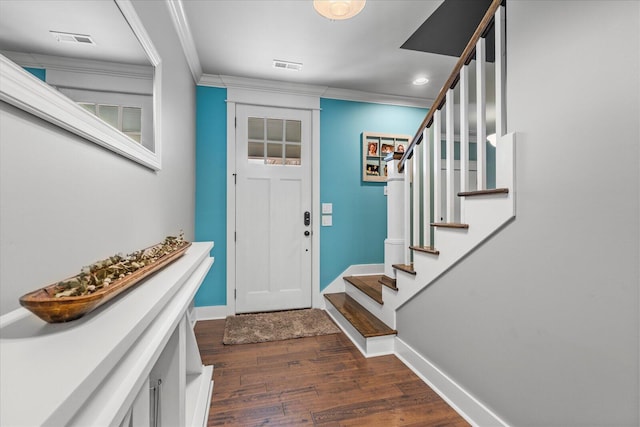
column 305, row 99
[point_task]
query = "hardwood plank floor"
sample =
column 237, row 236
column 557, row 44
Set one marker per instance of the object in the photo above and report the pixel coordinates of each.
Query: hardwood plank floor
column 322, row 381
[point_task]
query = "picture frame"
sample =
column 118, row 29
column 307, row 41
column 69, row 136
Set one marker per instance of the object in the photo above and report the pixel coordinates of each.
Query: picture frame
column 375, row 147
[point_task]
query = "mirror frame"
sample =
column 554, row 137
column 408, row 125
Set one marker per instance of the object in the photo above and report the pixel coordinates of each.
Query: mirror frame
column 20, row 89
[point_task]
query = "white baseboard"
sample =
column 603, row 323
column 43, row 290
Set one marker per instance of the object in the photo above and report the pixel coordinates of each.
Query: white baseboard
column 211, row 312
column 472, row 410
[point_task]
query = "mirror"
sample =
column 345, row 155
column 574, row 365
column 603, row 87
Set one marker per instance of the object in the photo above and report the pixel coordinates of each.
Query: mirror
column 100, row 68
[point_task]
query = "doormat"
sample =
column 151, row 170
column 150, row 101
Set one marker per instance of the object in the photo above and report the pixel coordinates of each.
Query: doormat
column 277, row 326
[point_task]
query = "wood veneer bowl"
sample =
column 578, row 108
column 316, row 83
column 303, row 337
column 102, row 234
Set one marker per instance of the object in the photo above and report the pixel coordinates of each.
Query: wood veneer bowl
column 46, row 306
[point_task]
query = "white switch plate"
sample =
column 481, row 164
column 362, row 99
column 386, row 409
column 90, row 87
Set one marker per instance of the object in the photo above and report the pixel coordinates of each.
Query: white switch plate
column 327, row 208
column 327, row 220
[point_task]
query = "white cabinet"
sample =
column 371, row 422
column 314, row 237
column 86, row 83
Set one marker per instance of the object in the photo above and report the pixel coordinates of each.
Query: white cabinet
column 101, row 369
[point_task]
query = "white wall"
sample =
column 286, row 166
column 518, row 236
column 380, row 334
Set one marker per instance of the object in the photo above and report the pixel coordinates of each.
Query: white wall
column 542, row 322
column 65, row 202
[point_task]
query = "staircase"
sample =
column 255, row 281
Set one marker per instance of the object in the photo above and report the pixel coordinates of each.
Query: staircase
column 433, row 222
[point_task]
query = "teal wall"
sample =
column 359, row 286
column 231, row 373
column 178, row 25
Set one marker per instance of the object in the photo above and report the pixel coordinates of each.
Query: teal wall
column 211, row 189
column 359, row 208
column 40, row 73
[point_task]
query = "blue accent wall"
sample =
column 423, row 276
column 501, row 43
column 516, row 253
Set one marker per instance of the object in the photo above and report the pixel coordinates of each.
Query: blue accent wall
column 211, row 189
column 359, row 208
column 40, row 73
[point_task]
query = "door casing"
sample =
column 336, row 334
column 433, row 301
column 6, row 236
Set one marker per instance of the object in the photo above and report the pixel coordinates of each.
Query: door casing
column 307, row 99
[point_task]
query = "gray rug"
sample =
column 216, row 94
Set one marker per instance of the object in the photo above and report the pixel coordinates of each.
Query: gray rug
column 277, row 326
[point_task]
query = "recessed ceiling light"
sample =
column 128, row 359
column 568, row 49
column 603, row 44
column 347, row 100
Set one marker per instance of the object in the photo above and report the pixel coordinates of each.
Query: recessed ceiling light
column 287, row 65
column 421, row 81
column 72, row 38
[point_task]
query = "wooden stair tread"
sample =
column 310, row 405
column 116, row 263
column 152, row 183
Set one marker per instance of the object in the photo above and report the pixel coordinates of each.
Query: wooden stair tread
column 404, row 267
column 449, row 225
column 483, row 192
column 365, row 323
column 388, row 282
column 369, row 285
column 425, row 249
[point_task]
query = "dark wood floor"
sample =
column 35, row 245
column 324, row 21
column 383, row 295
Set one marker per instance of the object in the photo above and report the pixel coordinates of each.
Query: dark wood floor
column 314, row 381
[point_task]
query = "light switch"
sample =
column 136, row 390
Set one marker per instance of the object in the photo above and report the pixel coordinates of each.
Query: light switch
column 327, row 208
column 327, row 220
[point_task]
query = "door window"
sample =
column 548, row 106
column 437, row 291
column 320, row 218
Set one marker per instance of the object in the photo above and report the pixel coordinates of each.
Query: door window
column 274, row 141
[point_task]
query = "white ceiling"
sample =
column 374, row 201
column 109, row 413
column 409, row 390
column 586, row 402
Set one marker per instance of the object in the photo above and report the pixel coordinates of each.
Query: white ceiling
column 242, row 38
column 25, row 26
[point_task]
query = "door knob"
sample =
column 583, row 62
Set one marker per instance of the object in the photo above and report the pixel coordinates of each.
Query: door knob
column 307, row 233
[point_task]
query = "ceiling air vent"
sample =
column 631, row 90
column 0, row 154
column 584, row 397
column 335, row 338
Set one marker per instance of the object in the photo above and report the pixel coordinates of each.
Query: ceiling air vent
column 72, row 38
column 286, row 65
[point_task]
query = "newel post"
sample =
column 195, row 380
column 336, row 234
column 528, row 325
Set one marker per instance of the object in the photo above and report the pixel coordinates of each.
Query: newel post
column 394, row 243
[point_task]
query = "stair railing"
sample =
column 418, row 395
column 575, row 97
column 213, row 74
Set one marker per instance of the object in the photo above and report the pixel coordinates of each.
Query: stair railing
column 422, row 163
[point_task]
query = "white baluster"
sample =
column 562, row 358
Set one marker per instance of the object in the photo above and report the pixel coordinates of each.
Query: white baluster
column 450, row 159
column 426, row 186
column 499, row 28
column 417, row 187
column 437, row 148
column 408, row 166
column 481, row 133
column 464, row 135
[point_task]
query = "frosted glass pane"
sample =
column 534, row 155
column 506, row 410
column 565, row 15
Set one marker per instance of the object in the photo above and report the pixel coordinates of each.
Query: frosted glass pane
column 274, row 150
column 256, row 150
column 294, row 131
column 275, row 129
column 89, row 107
column 131, row 119
column 135, row 136
column 256, row 128
column 109, row 113
column 292, row 154
column 274, row 154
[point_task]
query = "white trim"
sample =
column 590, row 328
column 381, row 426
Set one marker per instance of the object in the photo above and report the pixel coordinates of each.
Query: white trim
column 211, row 312
column 20, row 89
column 181, row 23
column 231, row 208
column 310, row 90
column 272, row 86
column 377, row 98
column 470, row 408
column 85, row 66
column 292, row 100
column 317, row 301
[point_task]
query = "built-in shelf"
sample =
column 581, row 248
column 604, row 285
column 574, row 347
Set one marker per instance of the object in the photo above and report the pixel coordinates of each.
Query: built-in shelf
column 97, row 370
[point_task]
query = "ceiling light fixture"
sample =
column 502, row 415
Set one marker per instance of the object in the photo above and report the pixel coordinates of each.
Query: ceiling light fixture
column 338, row 9
column 421, row 81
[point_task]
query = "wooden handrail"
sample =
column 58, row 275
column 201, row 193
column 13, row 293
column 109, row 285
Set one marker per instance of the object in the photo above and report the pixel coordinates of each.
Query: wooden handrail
column 465, row 59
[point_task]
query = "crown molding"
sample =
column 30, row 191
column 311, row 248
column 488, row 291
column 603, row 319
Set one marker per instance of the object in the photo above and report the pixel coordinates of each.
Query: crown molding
column 85, row 66
column 377, row 98
column 222, row 81
column 180, row 22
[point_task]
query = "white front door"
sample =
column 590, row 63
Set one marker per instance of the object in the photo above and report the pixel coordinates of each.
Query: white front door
column 273, row 209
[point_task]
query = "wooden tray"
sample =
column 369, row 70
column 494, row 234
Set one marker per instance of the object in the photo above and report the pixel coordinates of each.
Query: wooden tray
column 46, row 306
